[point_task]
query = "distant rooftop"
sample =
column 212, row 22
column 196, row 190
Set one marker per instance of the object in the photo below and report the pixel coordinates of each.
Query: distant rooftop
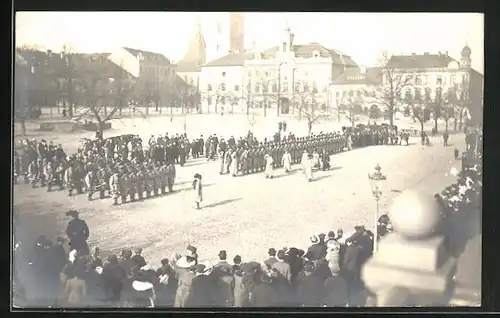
column 148, row 55
column 420, row 61
column 355, row 75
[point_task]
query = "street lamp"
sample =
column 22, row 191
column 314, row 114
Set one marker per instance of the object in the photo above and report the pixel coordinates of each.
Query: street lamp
column 279, row 88
column 376, row 180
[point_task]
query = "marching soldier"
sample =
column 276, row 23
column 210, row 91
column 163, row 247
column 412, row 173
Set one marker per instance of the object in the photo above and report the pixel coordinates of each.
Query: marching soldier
column 78, row 233
column 124, row 184
column 170, row 177
column 33, row 173
column 163, row 178
column 139, row 184
column 133, row 184
column 149, row 181
column 102, row 182
column 227, row 160
column 244, row 161
column 156, row 180
column 90, row 183
column 49, row 175
column 40, row 169
column 114, row 185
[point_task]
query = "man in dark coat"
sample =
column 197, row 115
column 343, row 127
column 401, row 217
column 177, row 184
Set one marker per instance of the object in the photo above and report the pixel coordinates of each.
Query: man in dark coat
column 78, row 233
column 126, row 263
column 309, row 287
column 262, row 293
column 113, row 277
column 202, row 288
column 272, row 258
column 350, row 268
column 138, row 259
column 317, row 250
column 336, row 291
column 223, row 262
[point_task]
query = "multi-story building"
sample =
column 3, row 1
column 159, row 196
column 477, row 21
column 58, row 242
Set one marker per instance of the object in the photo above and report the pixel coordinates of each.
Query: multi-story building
column 21, row 74
column 156, row 76
column 356, row 88
column 228, row 35
column 437, row 77
column 274, row 76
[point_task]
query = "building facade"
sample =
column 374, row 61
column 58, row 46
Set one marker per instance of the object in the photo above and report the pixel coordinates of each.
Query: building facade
column 156, row 75
column 438, row 78
column 276, row 76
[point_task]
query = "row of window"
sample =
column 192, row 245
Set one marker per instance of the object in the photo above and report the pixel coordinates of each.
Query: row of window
column 156, row 71
column 352, row 93
column 273, row 87
column 426, row 93
column 439, row 79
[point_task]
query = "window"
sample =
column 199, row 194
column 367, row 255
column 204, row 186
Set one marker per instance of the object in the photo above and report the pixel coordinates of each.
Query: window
column 351, row 94
column 249, row 87
column 236, row 88
column 452, row 79
column 223, row 74
column 314, row 88
column 257, row 88
column 424, row 79
column 223, row 87
column 427, row 93
column 223, row 100
column 418, row 80
column 445, row 79
column 257, row 73
column 285, row 87
column 358, row 94
column 265, row 88
column 284, row 46
column 418, row 97
column 337, row 94
column 209, row 87
column 209, row 101
column 275, row 87
column 439, row 80
column 306, row 87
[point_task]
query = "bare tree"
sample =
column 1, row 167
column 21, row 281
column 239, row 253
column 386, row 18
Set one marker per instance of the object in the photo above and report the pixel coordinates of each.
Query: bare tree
column 220, row 97
column 122, row 88
column 21, row 92
column 98, row 85
column 308, row 107
column 460, row 105
column 262, row 89
column 417, row 108
column 394, row 81
column 68, row 71
column 352, row 108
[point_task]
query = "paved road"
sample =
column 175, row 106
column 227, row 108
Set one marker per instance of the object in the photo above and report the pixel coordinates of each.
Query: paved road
column 245, row 215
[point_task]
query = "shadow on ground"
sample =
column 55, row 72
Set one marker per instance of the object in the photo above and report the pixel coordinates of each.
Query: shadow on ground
column 212, row 205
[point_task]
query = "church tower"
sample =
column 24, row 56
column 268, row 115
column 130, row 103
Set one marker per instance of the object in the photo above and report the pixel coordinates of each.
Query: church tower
column 465, row 60
column 286, row 45
column 237, row 33
column 196, row 52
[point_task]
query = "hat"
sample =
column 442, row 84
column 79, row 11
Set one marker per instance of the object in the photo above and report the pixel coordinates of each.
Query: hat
column 321, row 236
column 141, row 286
column 126, row 252
column 222, row 254
column 271, row 252
column 183, row 263
column 197, row 176
column 190, row 251
column 203, row 269
column 331, row 235
column 72, row 213
column 314, row 239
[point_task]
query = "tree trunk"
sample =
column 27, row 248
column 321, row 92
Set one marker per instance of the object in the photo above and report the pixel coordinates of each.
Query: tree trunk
column 435, row 123
column 22, row 122
column 461, row 118
column 421, row 127
column 455, row 123
column 446, row 124
column 147, row 107
column 391, row 115
column 309, row 127
column 265, row 107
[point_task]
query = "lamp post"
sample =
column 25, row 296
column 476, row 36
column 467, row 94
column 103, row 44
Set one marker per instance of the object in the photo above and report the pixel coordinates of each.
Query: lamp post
column 279, row 89
column 376, row 179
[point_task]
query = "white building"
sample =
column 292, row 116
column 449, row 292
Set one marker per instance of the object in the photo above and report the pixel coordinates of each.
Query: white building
column 276, row 75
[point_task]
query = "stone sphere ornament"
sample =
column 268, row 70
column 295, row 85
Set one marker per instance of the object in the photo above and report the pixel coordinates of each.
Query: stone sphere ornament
column 414, row 214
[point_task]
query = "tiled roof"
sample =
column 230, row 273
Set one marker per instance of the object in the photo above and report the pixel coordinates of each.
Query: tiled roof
column 148, row 55
column 188, row 67
column 230, row 60
column 354, row 75
column 307, row 51
column 419, row 61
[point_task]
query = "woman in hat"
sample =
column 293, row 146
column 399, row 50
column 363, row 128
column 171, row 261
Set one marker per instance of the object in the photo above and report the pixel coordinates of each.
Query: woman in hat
column 197, row 186
column 184, row 277
column 203, row 286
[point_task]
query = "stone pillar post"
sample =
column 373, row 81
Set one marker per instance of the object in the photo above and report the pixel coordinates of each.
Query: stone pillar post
column 412, row 258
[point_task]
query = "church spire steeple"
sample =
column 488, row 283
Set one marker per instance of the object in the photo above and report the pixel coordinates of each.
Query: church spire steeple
column 196, row 52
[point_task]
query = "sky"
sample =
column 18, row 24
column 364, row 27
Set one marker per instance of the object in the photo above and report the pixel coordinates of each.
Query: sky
column 360, row 35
